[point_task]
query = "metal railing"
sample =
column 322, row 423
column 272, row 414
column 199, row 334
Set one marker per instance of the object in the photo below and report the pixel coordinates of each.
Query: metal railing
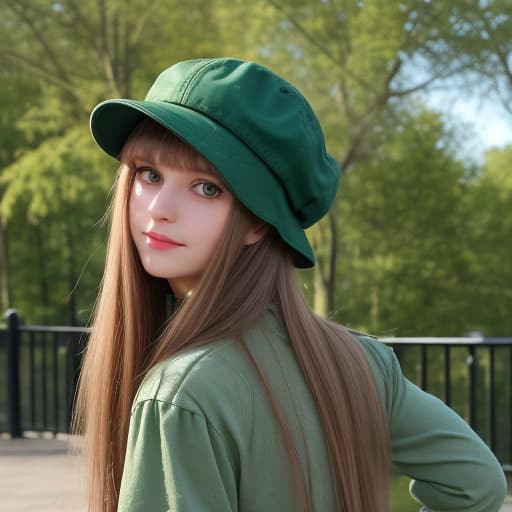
column 473, row 375
column 482, row 381
column 41, row 372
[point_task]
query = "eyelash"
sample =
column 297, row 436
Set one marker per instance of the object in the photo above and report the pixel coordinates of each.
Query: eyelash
column 146, row 169
column 219, row 190
column 141, row 170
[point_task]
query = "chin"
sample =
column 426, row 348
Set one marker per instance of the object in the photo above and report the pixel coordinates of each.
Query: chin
column 156, row 272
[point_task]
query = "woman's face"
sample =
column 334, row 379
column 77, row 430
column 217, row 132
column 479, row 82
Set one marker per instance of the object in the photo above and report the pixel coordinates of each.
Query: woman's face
column 176, row 221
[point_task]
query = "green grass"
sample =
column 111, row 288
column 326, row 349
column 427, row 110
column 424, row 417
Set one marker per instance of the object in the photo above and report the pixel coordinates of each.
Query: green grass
column 401, row 500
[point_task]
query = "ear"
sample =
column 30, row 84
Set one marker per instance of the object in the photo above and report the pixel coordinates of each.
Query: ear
column 256, row 232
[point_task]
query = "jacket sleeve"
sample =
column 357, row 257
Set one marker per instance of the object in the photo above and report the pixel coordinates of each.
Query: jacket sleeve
column 175, row 462
column 451, row 467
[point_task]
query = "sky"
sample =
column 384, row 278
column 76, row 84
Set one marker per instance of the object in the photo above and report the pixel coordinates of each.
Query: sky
column 490, row 122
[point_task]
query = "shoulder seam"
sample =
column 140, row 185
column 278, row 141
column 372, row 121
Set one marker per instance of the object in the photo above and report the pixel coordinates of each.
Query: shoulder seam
column 172, row 404
column 184, row 377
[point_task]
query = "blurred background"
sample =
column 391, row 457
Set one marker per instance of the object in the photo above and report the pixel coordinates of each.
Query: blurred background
column 415, row 98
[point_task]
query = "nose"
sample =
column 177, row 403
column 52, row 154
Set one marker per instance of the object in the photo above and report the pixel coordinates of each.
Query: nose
column 163, row 207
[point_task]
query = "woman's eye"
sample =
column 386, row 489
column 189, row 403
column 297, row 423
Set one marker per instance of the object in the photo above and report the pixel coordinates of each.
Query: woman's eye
column 148, row 174
column 207, row 189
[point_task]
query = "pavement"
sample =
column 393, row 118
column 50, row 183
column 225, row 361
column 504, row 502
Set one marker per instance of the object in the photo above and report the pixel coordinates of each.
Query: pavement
column 41, row 475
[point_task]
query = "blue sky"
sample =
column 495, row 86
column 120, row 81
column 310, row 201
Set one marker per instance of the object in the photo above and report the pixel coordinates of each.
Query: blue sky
column 490, row 122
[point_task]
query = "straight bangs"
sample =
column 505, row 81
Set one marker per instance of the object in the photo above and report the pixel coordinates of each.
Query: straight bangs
column 154, row 143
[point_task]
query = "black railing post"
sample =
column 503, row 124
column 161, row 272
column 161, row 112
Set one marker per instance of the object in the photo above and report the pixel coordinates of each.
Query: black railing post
column 471, row 361
column 492, row 396
column 55, row 366
column 510, row 402
column 73, row 363
column 447, row 376
column 13, row 374
column 424, row 367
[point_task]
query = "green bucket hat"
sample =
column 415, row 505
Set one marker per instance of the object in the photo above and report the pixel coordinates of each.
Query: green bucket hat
column 256, row 128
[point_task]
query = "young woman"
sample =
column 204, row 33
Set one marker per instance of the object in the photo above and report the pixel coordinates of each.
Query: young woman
column 208, row 383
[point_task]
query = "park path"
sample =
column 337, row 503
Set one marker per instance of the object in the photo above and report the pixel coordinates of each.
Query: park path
column 38, row 475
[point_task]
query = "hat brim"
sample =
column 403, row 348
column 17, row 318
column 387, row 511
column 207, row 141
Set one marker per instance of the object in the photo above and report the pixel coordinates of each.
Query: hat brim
column 249, row 178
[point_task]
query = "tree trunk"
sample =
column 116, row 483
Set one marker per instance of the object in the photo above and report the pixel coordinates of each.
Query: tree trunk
column 320, row 297
column 5, row 287
column 71, row 277
column 43, row 284
column 333, row 254
column 374, row 311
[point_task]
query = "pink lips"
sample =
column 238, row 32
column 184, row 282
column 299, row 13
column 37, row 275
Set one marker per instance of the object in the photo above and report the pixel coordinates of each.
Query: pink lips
column 160, row 242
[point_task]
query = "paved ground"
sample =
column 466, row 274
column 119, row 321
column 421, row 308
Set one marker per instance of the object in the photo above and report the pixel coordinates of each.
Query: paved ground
column 38, row 475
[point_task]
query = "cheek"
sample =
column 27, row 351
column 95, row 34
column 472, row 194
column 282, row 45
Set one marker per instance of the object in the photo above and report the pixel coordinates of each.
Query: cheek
column 207, row 221
column 216, row 221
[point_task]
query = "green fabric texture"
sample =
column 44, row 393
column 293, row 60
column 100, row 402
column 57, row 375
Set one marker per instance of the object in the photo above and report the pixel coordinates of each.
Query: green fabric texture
column 203, row 437
column 256, row 128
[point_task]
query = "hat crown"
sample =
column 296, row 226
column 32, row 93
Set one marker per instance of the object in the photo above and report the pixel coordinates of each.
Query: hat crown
column 269, row 115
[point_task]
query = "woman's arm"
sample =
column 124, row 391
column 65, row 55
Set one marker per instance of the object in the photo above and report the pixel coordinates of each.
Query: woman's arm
column 451, row 467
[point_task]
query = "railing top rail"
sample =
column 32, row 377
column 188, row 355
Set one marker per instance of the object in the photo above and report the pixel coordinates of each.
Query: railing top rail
column 471, row 340
column 412, row 340
column 54, row 328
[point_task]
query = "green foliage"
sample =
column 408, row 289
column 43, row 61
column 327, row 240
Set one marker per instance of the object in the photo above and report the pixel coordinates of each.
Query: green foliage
column 54, row 197
column 476, row 38
column 489, row 293
column 402, row 234
column 14, row 100
column 60, row 59
column 401, row 500
column 417, row 239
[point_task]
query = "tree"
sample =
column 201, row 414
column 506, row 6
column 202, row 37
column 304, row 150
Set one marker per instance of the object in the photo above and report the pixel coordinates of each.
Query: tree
column 54, row 184
column 357, row 60
column 14, row 100
column 489, row 292
column 405, row 260
column 480, row 40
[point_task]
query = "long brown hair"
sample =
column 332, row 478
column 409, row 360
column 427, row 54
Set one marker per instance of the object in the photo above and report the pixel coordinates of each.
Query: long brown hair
column 130, row 334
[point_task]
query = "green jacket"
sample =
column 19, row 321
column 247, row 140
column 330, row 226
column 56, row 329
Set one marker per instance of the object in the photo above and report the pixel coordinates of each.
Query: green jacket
column 203, row 437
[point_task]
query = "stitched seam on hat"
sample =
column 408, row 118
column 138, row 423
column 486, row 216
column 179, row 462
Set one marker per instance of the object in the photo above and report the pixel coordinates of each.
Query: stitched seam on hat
column 187, row 85
column 214, row 65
